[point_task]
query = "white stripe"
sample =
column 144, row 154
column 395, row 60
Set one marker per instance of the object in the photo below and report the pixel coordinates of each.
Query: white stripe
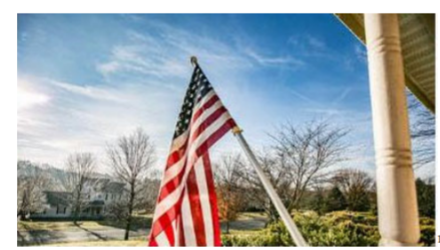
column 204, row 100
column 174, row 170
column 206, row 204
column 187, row 222
column 175, row 225
column 206, row 113
column 179, row 141
column 162, row 240
column 172, row 198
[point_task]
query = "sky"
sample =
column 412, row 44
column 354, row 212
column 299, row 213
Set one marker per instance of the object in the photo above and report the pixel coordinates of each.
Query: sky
column 85, row 80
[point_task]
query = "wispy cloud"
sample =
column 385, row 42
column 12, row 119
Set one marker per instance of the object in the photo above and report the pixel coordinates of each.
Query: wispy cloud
column 265, row 60
column 85, row 118
column 138, row 79
column 302, row 96
column 161, row 55
column 361, row 53
column 144, row 82
column 91, row 91
column 342, row 96
column 307, row 42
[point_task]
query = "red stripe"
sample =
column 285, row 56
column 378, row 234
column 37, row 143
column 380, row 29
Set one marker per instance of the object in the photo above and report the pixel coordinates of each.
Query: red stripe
column 212, row 199
column 152, row 243
column 165, row 219
column 207, row 122
column 172, row 184
column 175, row 156
column 196, row 208
column 181, row 232
column 205, row 106
column 170, row 215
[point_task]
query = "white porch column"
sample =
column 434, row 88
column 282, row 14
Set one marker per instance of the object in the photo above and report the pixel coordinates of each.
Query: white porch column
column 396, row 192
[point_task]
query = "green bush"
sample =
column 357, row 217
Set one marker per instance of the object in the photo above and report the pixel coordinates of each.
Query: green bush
column 340, row 228
column 427, row 235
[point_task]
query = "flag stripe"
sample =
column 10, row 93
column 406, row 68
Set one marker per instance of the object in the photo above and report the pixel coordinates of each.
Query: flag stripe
column 186, row 213
column 213, row 200
column 179, row 156
column 204, row 196
column 170, row 213
column 196, row 206
column 215, row 119
column 190, row 238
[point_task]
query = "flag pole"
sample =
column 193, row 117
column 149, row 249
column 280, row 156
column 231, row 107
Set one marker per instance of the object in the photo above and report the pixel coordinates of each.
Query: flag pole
column 284, row 214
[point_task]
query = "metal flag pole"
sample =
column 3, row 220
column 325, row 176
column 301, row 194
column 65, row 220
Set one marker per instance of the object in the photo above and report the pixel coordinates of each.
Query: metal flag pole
column 284, row 214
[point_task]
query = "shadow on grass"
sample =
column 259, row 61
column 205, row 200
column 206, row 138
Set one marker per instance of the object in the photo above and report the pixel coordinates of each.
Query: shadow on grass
column 137, row 223
column 29, row 236
column 97, row 235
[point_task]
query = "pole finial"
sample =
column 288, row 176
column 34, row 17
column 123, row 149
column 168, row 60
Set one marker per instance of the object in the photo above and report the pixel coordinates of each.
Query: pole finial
column 193, row 60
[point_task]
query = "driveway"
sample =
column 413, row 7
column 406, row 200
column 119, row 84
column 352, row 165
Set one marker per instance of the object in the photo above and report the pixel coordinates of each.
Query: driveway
column 41, row 237
column 80, row 234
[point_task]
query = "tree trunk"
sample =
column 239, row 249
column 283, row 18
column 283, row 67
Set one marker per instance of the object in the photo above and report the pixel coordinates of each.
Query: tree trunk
column 130, row 211
column 22, row 215
column 127, row 227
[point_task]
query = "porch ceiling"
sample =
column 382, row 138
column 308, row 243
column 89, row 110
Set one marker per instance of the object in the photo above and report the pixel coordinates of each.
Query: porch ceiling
column 417, row 36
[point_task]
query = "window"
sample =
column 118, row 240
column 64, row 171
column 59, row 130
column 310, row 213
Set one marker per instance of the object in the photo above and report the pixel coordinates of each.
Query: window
column 106, row 196
column 61, row 210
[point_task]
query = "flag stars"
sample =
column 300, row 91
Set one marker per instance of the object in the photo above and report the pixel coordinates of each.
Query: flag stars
column 198, row 88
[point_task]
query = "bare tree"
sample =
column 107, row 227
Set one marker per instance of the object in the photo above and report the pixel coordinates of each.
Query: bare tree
column 149, row 189
column 130, row 159
column 78, row 179
column 422, row 123
column 356, row 185
column 304, row 155
column 230, row 188
column 254, row 189
column 31, row 184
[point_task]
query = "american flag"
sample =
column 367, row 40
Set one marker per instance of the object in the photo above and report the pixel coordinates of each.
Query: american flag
column 186, row 210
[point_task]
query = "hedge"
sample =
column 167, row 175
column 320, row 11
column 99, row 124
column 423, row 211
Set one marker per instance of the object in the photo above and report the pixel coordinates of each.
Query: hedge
column 340, row 228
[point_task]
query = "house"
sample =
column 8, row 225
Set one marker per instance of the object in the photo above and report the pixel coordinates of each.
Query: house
column 97, row 197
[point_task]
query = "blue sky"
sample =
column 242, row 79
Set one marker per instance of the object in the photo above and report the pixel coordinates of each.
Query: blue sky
column 84, row 80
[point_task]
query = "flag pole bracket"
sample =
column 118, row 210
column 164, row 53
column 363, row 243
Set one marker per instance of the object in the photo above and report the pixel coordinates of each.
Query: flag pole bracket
column 237, row 130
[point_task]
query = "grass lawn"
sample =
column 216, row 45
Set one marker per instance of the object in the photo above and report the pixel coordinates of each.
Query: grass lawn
column 251, row 215
column 138, row 222
column 55, row 225
column 135, row 242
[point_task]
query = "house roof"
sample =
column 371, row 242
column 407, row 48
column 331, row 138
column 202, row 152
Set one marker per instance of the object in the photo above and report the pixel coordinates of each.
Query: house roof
column 113, row 187
column 417, row 37
column 55, row 198
column 96, row 203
